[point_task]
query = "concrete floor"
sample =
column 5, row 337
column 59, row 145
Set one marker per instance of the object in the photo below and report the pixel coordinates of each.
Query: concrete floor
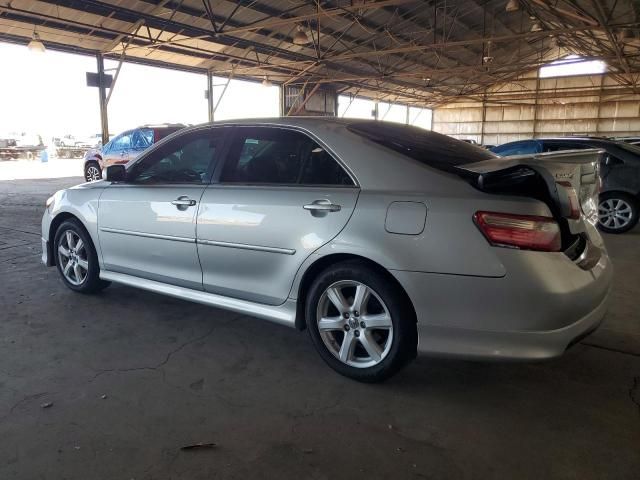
column 134, row 376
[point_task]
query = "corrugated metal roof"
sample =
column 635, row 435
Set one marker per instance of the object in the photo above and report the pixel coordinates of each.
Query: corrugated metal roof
column 417, row 52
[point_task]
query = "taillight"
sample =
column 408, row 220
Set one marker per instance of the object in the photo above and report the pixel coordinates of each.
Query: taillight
column 526, row 232
column 574, row 203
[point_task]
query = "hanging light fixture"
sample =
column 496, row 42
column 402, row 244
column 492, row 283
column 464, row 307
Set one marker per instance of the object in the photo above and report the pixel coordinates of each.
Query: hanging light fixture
column 512, row 6
column 300, row 37
column 536, row 27
column 36, row 45
column 266, row 82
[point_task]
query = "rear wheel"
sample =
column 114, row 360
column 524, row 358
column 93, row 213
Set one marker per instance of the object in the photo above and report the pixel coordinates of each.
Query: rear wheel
column 92, row 172
column 76, row 258
column 360, row 323
column 617, row 212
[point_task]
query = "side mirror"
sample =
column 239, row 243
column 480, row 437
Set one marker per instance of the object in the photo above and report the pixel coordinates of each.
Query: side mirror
column 115, row 173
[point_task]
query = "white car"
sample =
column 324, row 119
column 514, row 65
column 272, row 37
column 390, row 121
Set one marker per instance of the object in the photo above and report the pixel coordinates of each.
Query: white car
column 382, row 240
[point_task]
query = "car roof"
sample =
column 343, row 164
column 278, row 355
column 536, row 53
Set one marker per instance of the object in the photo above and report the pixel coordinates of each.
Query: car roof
column 159, row 126
column 363, row 157
column 602, row 140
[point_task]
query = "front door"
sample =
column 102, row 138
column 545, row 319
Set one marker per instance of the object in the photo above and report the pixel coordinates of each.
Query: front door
column 147, row 224
column 280, row 197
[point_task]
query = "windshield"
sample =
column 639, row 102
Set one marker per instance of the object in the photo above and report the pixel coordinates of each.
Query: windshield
column 429, row 148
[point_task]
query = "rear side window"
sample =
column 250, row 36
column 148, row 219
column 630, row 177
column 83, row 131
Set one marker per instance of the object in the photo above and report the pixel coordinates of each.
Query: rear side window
column 267, row 155
column 142, row 139
column 430, row 148
column 559, row 146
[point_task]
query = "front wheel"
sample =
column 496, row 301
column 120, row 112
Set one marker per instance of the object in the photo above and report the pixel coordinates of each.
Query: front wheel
column 617, row 212
column 76, row 258
column 92, row 172
column 360, row 322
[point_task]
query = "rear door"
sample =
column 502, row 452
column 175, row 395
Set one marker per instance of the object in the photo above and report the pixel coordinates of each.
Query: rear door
column 147, row 225
column 280, row 196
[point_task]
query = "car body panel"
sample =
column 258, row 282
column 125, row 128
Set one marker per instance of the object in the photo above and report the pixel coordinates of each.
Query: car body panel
column 154, row 239
column 253, row 239
column 81, row 202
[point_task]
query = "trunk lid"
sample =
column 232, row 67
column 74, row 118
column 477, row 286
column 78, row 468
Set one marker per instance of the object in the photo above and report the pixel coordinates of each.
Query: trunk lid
column 557, row 172
column 560, row 179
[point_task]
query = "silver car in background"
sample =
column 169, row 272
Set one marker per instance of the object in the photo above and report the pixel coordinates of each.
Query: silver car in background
column 382, row 240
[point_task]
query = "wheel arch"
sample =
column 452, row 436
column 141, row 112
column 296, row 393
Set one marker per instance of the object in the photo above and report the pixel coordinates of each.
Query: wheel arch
column 53, row 228
column 624, row 191
column 97, row 158
column 326, row 261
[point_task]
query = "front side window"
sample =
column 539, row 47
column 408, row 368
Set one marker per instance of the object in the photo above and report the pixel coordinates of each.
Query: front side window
column 186, row 159
column 263, row 155
column 121, row 142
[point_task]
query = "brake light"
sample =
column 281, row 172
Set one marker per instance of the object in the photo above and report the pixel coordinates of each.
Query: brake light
column 526, row 232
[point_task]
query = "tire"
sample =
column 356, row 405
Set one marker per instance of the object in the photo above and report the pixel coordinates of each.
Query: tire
column 78, row 267
column 92, row 171
column 376, row 352
column 617, row 212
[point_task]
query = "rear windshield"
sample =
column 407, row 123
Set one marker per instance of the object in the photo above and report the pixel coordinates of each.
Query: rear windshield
column 429, row 148
column 634, row 149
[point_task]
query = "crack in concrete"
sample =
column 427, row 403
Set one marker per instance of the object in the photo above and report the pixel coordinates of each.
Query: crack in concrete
column 159, row 365
column 167, row 357
column 20, row 402
column 634, row 392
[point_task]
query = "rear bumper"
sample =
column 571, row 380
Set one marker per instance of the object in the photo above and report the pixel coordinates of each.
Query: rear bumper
column 543, row 304
column 486, row 345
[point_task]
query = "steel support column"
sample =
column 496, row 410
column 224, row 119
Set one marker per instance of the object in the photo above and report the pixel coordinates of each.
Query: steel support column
column 210, row 104
column 102, row 94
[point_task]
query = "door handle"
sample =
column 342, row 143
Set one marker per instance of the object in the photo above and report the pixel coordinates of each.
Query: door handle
column 322, row 206
column 183, row 201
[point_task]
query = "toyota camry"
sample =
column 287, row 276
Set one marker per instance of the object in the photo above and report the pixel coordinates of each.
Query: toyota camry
column 382, row 240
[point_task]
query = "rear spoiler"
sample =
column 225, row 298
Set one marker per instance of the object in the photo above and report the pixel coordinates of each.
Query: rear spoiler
column 560, row 172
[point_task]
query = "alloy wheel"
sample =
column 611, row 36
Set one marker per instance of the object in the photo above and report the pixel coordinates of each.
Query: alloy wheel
column 354, row 324
column 93, row 174
column 614, row 213
column 72, row 258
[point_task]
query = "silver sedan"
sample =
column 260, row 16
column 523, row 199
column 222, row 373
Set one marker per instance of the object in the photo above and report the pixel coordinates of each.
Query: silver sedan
column 381, row 240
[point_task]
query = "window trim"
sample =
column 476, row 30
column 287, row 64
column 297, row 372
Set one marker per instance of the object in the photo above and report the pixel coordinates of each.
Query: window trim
column 236, row 132
column 211, row 169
